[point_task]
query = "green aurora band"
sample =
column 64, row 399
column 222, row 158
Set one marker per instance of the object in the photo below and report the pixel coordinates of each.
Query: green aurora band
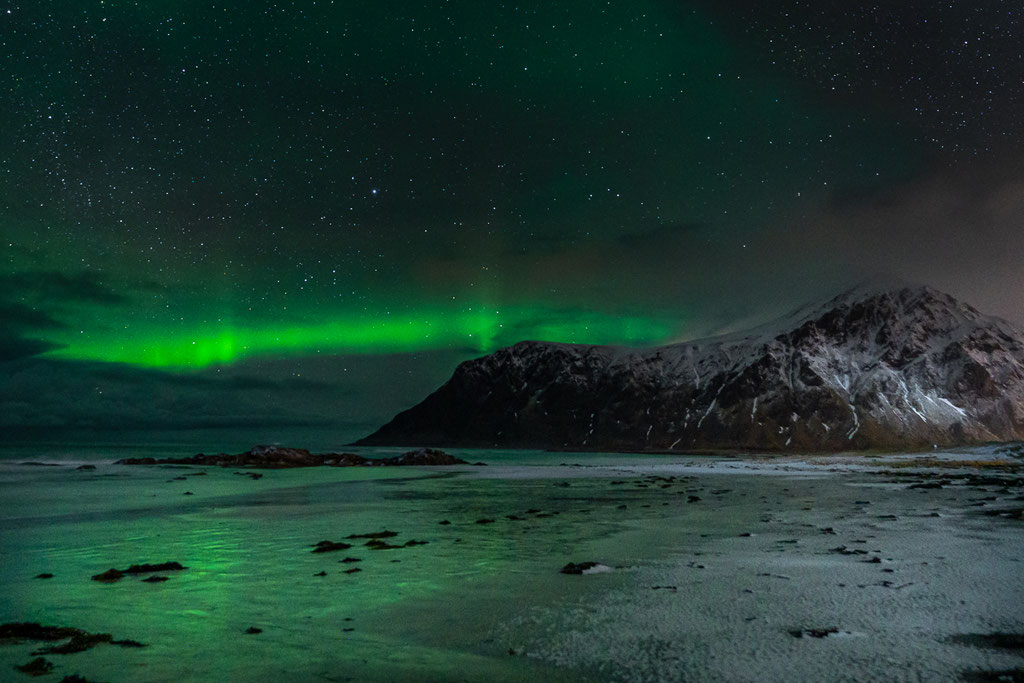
column 479, row 330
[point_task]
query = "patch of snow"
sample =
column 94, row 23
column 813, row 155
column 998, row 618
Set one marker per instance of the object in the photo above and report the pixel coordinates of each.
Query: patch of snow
column 708, row 412
column 917, row 412
column 950, row 404
column 856, row 422
column 712, row 406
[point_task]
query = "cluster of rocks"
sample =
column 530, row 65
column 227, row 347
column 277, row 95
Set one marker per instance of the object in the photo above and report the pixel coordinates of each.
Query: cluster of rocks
column 375, row 542
column 276, row 457
column 76, row 640
column 112, row 574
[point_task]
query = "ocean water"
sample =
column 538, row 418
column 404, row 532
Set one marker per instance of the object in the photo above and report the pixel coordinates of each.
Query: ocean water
column 697, row 590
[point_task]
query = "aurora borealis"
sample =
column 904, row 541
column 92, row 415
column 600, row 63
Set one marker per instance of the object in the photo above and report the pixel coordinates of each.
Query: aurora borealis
column 340, row 200
column 477, row 330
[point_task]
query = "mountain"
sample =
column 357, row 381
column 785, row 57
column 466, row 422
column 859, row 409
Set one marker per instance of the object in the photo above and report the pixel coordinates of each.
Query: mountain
column 893, row 368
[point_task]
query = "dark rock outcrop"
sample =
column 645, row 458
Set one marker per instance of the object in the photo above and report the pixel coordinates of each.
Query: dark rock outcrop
column 584, row 568
column 813, row 632
column 375, row 534
column 37, row 667
column 330, row 546
column 897, row 368
column 77, row 639
column 112, row 574
column 109, row 576
column 276, row 457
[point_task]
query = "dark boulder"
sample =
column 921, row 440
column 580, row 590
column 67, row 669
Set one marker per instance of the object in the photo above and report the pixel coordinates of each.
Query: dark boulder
column 330, row 546
column 375, row 534
column 424, row 457
column 813, row 632
column 109, row 576
column 37, row 667
column 112, row 574
column 148, row 568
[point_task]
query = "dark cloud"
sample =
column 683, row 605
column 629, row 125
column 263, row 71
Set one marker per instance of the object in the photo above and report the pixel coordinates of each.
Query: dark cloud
column 957, row 229
column 34, row 302
column 258, row 400
column 218, row 379
column 53, row 286
column 15, row 347
column 20, row 317
column 16, row 334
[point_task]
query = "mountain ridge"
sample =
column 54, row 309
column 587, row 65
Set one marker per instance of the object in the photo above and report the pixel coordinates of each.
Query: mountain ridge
column 872, row 368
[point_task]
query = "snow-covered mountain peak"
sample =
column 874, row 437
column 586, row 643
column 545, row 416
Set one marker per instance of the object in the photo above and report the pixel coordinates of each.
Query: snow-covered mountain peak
column 874, row 367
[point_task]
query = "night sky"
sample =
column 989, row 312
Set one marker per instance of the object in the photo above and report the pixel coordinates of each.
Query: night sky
column 300, row 216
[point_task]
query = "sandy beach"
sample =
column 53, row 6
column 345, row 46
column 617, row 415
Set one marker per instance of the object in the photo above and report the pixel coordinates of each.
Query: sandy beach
column 747, row 569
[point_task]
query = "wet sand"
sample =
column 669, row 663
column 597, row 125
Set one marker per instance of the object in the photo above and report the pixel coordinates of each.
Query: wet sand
column 721, row 569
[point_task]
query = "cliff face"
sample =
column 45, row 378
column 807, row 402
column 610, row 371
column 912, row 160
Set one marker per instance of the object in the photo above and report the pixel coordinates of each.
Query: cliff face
column 900, row 368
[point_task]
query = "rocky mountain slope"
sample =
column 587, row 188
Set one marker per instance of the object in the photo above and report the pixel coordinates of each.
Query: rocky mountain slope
column 903, row 367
